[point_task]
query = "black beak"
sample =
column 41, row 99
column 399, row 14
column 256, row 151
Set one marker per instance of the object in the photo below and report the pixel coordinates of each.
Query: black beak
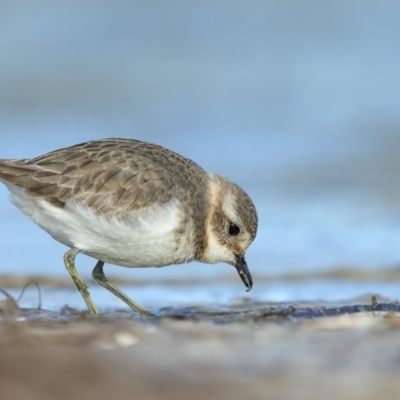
column 244, row 272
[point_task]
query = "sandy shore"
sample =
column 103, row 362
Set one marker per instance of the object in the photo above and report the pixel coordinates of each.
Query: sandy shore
column 260, row 353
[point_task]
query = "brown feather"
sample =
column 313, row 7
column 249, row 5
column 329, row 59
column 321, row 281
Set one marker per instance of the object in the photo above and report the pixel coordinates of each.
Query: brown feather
column 113, row 176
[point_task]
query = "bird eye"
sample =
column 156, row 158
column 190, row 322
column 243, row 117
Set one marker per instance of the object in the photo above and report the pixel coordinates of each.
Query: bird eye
column 234, row 230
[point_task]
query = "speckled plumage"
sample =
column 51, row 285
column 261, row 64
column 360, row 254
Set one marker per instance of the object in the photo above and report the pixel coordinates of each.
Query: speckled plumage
column 92, row 187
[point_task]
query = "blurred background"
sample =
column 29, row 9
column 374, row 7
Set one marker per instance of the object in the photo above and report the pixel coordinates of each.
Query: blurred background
column 297, row 102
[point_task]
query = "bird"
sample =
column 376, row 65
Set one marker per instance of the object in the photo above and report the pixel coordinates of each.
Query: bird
column 133, row 204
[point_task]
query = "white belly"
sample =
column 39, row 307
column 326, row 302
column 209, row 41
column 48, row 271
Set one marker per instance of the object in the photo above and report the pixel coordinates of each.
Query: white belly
column 145, row 239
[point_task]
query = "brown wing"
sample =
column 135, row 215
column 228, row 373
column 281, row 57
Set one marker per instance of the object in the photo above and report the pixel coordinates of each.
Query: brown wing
column 111, row 175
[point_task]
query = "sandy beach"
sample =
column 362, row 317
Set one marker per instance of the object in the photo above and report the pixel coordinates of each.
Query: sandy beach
column 253, row 351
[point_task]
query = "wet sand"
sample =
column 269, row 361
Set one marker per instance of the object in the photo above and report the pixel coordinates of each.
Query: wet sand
column 248, row 350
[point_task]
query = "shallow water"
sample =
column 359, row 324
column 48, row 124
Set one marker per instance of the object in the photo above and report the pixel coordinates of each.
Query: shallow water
column 214, row 297
column 302, row 113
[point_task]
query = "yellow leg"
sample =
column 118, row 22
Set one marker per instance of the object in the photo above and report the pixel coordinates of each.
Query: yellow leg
column 69, row 260
column 101, row 279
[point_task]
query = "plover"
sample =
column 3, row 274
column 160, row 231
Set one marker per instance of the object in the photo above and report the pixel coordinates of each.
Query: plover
column 133, row 204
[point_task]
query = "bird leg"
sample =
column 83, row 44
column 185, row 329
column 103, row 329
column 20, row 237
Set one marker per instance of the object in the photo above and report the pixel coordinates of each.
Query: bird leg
column 69, row 260
column 101, row 279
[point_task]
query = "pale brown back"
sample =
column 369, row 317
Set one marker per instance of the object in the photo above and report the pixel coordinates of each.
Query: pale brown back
column 114, row 176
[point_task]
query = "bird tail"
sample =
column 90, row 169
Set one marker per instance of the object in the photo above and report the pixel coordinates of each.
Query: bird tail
column 15, row 172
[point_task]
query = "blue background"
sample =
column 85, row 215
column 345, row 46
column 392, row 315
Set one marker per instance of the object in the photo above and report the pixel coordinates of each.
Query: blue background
column 297, row 102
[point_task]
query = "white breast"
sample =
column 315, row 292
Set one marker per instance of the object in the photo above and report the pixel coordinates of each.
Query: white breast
column 144, row 239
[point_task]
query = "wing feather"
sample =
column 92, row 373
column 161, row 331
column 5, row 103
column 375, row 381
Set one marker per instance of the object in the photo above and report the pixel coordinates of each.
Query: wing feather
column 111, row 176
